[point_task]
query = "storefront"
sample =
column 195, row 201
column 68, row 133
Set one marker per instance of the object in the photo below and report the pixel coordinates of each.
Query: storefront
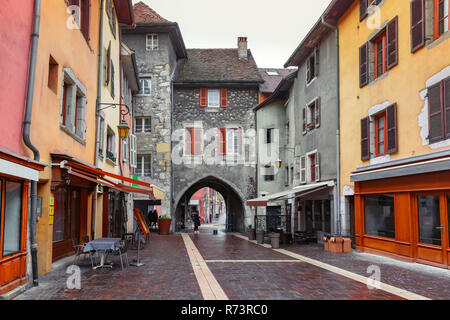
column 16, row 172
column 402, row 209
column 305, row 208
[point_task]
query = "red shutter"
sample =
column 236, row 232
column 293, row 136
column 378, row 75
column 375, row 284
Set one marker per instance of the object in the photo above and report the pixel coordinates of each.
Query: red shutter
column 365, row 141
column 392, row 43
column 417, row 24
column 363, row 65
column 363, row 5
column 392, row 135
column 447, row 107
column 85, row 18
column 436, row 123
column 222, row 141
column 223, row 97
column 203, row 97
column 189, row 144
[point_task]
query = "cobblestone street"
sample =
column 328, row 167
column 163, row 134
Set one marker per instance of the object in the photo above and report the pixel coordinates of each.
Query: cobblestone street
column 242, row 270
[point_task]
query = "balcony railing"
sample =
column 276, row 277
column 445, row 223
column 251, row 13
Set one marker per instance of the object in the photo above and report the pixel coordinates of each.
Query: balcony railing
column 270, row 223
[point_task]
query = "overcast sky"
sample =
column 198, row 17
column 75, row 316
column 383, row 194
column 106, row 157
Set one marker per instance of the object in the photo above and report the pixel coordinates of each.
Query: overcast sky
column 274, row 28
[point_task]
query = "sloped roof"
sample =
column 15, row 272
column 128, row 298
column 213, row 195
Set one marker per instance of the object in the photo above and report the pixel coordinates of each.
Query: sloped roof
column 272, row 82
column 145, row 15
column 217, row 65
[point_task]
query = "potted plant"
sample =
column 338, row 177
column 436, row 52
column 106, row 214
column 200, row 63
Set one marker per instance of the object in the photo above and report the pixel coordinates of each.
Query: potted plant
column 260, row 236
column 164, row 222
column 251, row 232
column 275, row 240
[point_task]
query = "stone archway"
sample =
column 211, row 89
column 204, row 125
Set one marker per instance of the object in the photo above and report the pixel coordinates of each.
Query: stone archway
column 235, row 211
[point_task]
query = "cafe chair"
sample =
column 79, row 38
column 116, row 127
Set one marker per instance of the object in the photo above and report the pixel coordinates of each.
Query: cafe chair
column 122, row 252
column 79, row 251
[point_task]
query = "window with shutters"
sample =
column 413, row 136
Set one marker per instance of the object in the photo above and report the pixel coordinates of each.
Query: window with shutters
column 311, row 116
column 143, row 124
column 152, row 42
column 379, row 132
column 73, row 106
column 365, row 7
column 125, row 150
column 310, row 167
column 439, row 111
column 81, row 13
column 380, row 54
column 429, row 22
column 213, row 98
column 312, row 70
column 303, row 170
column 193, row 141
column 144, row 165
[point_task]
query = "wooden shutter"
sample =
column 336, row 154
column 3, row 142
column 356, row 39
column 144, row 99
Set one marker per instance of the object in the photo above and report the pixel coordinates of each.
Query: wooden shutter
column 223, row 97
column 133, row 151
column 317, row 58
column 392, row 135
column 364, row 65
column 392, row 43
column 304, row 120
column 447, row 106
column 365, row 139
column 317, row 113
column 203, row 97
column 317, row 167
column 222, row 141
column 436, row 123
column 303, row 169
column 85, row 18
column 363, row 5
column 417, row 24
column 188, row 141
column 108, row 64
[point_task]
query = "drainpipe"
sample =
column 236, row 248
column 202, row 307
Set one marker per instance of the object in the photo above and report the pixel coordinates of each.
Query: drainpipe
column 337, row 202
column 26, row 135
column 97, row 106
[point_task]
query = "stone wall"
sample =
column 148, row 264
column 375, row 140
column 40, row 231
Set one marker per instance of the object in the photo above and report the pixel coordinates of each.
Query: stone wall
column 238, row 113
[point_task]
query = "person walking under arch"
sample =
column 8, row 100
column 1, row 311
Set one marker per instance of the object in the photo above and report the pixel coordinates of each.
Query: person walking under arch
column 196, row 219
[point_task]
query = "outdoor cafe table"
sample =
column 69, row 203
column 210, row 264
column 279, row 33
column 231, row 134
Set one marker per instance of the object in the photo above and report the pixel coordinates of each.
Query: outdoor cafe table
column 103, row 245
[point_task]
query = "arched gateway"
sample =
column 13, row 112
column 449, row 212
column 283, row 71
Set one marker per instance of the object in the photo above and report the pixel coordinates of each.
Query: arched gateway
column 235, row 210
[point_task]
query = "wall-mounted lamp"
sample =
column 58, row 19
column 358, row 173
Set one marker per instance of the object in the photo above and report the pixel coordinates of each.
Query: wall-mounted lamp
column 123, row 127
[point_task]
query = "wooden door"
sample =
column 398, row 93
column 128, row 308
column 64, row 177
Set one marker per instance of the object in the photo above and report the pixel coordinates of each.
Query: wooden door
column 431, row 215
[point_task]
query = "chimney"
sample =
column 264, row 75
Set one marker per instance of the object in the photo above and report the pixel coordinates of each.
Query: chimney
column 242, row 48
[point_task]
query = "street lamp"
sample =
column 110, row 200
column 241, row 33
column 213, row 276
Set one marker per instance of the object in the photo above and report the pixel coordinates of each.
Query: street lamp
column 279, row 162
column 123, row 127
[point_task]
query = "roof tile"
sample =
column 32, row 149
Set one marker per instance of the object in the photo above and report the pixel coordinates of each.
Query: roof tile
column 146, row 15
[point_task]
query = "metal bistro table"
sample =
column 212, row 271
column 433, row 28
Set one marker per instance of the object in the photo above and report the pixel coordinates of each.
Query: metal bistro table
column 103, row 245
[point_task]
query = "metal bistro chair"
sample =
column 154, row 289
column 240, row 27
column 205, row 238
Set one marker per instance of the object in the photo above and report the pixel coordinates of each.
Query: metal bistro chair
column 79, row 250
column 123, row 249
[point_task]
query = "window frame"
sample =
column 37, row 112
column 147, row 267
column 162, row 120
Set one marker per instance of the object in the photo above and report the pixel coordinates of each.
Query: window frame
column 377, row 129
column 141, row 159
column 146, row 123
column 194, row 131
column 209, row 100
column 381, row 38
column 152, row 46
column 437, row 19
column 232, row 144
column 143, row 81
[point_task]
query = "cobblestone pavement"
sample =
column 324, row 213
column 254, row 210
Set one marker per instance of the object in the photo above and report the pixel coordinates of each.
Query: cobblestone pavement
column 244, row 271
column 431, row 282
column 166, row 275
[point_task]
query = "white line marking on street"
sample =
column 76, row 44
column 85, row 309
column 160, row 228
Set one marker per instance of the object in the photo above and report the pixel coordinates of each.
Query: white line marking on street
column 210, row 288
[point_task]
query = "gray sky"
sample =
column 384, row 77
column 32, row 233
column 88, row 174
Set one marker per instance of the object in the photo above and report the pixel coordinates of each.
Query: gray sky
column 274, row 28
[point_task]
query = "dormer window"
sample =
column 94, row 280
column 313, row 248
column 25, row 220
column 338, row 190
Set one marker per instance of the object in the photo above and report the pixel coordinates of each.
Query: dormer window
column 152, row 42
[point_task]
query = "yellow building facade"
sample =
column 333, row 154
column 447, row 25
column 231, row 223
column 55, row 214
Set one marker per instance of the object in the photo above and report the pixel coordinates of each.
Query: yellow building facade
column 395, row 125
